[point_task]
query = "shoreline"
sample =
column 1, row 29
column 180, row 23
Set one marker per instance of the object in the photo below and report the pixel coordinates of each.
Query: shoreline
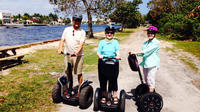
column 53, row 43
column 98, row 34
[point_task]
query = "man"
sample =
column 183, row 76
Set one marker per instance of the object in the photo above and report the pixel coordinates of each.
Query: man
column 74, row 38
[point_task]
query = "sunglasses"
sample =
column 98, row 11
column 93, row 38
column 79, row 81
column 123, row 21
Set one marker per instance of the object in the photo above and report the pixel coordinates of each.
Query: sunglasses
column 110, row 32
column 77, row 20
column 150, row 32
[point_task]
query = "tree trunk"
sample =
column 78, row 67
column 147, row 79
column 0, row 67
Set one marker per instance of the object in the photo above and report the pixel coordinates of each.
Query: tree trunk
column 123, row 23
column 90, row 33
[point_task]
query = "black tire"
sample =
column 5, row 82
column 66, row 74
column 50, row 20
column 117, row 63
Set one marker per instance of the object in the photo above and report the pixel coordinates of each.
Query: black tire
column 85, row 97
column 56, row 93
column 122, row 101
column 96, row 99
column 141, row 90
column 151, row 102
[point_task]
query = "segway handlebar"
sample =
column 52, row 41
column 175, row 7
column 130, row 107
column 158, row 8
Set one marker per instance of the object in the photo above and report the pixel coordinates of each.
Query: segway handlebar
column 68, row 54
column 109, row 58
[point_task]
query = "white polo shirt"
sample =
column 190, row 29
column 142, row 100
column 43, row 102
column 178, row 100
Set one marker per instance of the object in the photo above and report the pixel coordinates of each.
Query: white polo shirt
column 73, row 38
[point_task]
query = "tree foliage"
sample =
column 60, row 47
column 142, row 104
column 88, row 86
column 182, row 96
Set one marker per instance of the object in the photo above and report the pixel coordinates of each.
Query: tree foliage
column 178, row 18
column 53, row 17
column 96, row 7
column 127, row 14
column 67, row 21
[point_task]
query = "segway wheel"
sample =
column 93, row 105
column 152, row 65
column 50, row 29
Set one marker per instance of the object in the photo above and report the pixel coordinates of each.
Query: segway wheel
column 96, row 99
column 85, row 97
column 141, row 90
column 122, row 101
column 151, row 102
column 56, row 93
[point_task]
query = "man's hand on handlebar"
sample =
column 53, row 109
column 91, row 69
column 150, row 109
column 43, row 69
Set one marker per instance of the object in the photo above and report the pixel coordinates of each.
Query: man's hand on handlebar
column 59, row 51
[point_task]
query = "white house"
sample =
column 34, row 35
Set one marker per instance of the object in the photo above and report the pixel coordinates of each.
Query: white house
column 5, row 17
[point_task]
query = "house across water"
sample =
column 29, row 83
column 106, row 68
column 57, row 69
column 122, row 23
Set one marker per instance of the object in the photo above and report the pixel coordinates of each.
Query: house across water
column 5, row 17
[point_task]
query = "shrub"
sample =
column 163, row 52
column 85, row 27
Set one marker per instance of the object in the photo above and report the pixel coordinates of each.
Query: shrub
column 196, row 31
column 179, row 27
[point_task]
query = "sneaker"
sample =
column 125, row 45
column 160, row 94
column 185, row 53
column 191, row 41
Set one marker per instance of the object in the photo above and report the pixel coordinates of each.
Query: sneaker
column 66, row 93
column 77, row 95
column 68, row 96
column 108, row 103
column 116, row 100
column 103, row 100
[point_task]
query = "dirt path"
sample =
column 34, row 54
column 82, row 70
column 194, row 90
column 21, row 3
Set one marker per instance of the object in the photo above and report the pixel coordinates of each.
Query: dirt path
column 173, row 80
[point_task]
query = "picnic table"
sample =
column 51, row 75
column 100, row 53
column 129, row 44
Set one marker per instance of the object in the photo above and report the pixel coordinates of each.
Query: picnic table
column 9, row 53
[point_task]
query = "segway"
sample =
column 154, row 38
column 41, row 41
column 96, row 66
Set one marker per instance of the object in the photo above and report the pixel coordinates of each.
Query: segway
column 63, row 92
column 147, row 101
column 98, row 105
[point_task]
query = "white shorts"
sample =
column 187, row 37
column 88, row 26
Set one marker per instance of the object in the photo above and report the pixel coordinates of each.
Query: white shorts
column 150, row 76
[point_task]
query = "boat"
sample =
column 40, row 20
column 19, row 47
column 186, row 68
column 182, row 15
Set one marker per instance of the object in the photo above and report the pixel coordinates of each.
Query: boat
column 13, row 25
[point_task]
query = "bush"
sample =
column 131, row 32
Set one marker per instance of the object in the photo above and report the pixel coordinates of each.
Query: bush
column 0, row 22
column 179, row 27
column 196, row 31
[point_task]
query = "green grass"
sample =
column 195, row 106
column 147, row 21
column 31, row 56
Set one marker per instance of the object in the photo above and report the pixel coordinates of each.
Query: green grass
column 188, row 61
column 123, row 35
column 191, row 47
column 170, row 49
column 90, row 58
column 187, row 46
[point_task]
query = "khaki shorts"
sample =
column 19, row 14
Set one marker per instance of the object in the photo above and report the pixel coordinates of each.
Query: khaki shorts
column 76, row 64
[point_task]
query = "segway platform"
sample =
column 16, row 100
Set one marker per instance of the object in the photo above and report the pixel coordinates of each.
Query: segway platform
column 120, row 107
column 105, row 107
column 71, row 101
column 85, row 93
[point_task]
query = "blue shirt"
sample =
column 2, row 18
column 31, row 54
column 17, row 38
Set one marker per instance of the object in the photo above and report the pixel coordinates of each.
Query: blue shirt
column 150, row 56
column 108, row 49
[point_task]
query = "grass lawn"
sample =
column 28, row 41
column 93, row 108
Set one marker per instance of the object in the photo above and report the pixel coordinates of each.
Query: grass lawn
column 191, row 47
column 27, row 87
column 123, row 35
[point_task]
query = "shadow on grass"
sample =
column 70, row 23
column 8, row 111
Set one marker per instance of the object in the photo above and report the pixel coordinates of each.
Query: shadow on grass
column 11, row 63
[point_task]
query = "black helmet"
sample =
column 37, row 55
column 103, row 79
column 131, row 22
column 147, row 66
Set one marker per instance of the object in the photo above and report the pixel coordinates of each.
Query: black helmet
column 110, row 28
column 77, row 18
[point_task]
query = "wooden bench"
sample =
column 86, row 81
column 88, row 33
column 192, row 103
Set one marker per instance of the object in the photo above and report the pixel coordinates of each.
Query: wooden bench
column 9, row 53
column 18, row 57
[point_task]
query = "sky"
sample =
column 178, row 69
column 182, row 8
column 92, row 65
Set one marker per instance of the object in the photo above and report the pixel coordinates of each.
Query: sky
column 143, row 7
column 42, row 6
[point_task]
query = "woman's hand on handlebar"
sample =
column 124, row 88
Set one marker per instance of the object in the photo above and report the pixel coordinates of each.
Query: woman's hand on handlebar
column 132, row 53
column 136, row 53
column 100, row 56
column 117, row 58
